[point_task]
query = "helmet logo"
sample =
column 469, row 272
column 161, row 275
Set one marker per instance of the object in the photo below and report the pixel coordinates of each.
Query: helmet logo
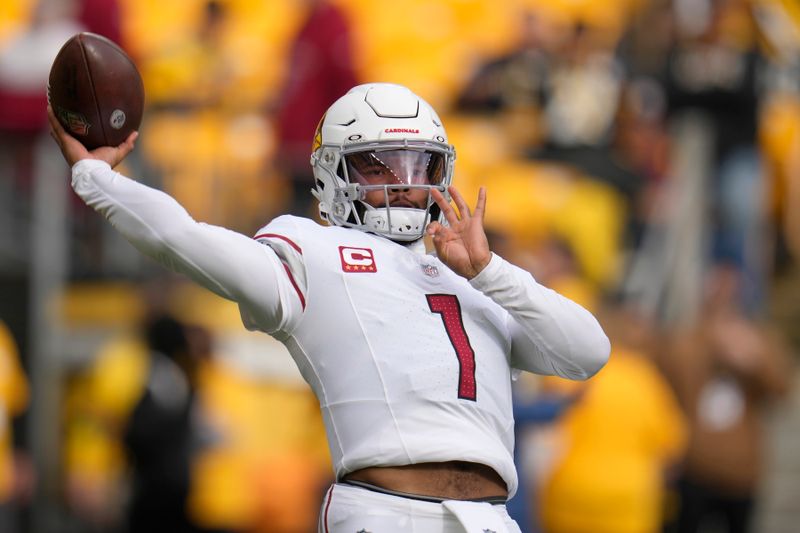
column 355, row 137
column 400, row 130
column 317, row 136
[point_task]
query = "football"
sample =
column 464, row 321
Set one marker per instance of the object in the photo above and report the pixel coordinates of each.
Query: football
column 95, row 91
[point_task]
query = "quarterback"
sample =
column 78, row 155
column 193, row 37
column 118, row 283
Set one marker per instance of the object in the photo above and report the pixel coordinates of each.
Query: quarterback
column 411, row 355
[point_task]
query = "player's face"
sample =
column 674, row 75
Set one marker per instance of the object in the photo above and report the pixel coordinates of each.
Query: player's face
column 393, row 171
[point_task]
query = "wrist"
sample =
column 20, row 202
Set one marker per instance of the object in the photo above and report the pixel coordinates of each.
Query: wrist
column 481, row 264
column 491, row 264
column 90, row 162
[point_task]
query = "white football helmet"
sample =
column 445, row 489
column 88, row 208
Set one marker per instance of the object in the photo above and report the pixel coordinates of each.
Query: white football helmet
column 380, row 140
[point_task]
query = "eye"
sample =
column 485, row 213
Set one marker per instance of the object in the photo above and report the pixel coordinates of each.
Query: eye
column 376, row 172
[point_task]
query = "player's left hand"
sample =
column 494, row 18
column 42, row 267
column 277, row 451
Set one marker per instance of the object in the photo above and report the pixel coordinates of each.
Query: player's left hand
column 462, row 245
column 73, row 151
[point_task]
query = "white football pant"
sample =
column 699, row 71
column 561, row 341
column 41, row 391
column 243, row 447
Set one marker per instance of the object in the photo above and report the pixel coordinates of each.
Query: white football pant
column 349, row 509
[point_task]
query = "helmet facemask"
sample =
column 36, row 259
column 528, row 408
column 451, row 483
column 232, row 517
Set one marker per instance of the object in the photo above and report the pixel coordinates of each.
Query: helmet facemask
column 385, row 187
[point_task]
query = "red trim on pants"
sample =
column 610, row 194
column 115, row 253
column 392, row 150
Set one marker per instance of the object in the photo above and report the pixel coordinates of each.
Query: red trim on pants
column 329, row 497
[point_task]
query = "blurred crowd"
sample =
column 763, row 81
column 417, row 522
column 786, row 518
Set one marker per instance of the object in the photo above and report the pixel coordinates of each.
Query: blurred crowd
column 642, row 157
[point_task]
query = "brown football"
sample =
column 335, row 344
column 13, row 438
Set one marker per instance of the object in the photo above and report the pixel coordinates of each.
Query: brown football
column 96, row 91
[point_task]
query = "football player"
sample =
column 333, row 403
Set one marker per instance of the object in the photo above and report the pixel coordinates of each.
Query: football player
column 410, row 354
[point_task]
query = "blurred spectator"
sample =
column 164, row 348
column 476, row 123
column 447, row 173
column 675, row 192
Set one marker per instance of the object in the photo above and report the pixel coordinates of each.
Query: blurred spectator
column 640, row 132
column 586, row 93
column 726, row 370
column 101, row 17
column 193, row 73
column 641, row 136
column 584, row 66
column 161, row 434
column 515, row 87
column 134, row 412
column 713, row 69
column 521, row 77
column 24, row 68
column 15, row 468
column 321, row 68
column 25, row 65
column 619, row 440
column 564, row 77
column 643, row 144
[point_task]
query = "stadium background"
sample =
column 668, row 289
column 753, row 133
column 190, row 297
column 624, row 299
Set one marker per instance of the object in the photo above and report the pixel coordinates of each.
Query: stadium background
column 209, row 138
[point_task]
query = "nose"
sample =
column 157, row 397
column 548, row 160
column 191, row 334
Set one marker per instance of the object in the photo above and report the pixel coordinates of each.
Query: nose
column 407, row 197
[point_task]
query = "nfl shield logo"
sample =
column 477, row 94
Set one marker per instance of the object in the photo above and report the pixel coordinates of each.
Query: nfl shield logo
column 430, row 270
column 76, row 123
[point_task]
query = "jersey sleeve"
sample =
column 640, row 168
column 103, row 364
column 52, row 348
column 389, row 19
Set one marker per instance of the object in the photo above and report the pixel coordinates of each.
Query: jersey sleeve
column 550, row 334
column 229, row 264
column 283, row 237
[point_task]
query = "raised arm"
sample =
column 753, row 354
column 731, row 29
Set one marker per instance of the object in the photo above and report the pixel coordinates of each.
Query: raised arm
column 228, row 263
column 550, row 334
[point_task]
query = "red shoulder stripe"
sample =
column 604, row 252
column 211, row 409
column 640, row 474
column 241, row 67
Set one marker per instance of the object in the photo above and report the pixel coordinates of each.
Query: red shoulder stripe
column 281, row 237
column 294, row 284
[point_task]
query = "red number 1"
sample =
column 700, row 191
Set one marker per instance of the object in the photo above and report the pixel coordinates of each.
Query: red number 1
column 449, row 308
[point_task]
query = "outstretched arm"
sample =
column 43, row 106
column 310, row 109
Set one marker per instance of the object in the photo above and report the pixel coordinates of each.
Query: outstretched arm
column 230, row 264
column 550, row 334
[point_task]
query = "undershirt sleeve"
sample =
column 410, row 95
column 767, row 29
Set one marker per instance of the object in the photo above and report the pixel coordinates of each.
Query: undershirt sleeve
column 550, row 334
column 228, row 263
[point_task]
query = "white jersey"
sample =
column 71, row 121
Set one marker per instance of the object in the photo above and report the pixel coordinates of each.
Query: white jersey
column 411, row 363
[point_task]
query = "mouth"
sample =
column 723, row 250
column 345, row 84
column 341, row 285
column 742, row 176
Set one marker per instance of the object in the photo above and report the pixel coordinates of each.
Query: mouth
column 403, row 203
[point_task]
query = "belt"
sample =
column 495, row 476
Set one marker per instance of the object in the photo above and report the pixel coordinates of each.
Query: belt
column 494, row 500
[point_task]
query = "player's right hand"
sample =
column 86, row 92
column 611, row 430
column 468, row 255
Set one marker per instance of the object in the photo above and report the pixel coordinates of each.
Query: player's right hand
column 74, row 151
